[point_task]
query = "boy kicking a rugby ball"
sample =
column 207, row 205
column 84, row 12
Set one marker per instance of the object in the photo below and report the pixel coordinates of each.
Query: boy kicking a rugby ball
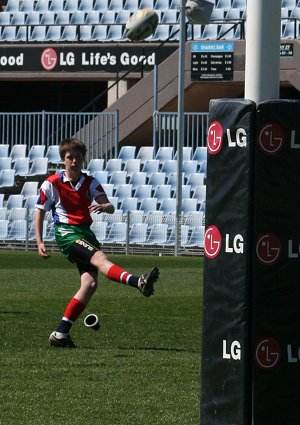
column 70, row 195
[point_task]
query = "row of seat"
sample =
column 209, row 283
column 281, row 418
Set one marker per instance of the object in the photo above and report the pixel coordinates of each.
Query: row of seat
column 140, row 233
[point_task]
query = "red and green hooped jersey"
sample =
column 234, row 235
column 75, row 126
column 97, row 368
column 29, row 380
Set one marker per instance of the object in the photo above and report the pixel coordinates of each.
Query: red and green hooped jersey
column 69, row 204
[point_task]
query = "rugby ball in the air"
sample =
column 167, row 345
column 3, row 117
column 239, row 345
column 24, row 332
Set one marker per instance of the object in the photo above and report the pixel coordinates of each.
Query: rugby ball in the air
column 141, row 24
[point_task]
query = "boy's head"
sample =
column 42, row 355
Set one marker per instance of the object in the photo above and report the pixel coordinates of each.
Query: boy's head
column 71, row 144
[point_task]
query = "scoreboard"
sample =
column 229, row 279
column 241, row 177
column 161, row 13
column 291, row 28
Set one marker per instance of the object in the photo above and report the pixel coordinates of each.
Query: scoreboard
column 212, row 61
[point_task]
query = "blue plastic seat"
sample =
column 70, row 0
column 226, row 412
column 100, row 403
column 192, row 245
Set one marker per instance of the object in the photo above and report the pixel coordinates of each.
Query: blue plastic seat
column 12, row 6
column 38, row 33
column 36, row 151
column 184, row 235
column 210, row 32
column 27, row 5
column 164, row 153
column 132, row 166
column 9, row 33
column 117, row 233
column 18, row 151
column 42, row 5
column 116, row 5
column 18, row 230
column 170, row 16
column 129, row 204
column 85, row 32
column 48, row 18
column 200, row 154
column 148, row 204
column 158, row 234
column 3, row 229
column 53, row 33
column 78, row 17
column 131, row 5
column 162, row 192
column 101, row 5
column 21, row 166
column 118, row 177
column 4, row 18
column 93, row 17
column 123, row 191
column 186, row 153
column 143, row 191
column 57, row 5
column 189, row 167
column 108, row 17
column 53, row 155
column 127, row 152
column 189, row 205
column 100, row 230
column 137, row 179
column 200, row 193
column 196, row 179
column 108, row 189
column 168, row 205
column 7, row 178
column 145, row 153
column 71, row 5
column 39, row 168
column 138, row 233
column 157, row 179
column 169, row 166
column 5, row 163
column 151, row 166
column 4, row 150
column 29, row 188
column 62, row 17
column 101, row 176
column 95, row 164
column 15, row 201
column 33, row 18
column 69, row 33
column 115, row 33
column 86, row 5
column 162, row 32
column 113, row 164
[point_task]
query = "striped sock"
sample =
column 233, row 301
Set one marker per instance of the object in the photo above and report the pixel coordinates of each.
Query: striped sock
column 72, row 312
column 117, row 274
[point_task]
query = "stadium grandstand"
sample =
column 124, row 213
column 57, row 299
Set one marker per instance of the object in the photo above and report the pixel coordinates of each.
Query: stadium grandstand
column 67, row 69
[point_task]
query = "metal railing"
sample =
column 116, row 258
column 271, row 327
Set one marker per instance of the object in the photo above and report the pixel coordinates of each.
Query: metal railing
column 99, row 131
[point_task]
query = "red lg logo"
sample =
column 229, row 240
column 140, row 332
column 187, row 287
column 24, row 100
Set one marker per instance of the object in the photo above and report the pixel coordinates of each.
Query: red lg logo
column 48, row 59
column 271, row 138
column 267, row 353
column 268, row 248
column 214, row 138
column 212, row 242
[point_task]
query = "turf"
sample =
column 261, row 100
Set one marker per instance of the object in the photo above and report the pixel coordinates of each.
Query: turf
column 141, row 368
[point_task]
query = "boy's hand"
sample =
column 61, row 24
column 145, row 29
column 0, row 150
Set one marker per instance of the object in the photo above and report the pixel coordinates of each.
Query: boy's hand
column 42, row 251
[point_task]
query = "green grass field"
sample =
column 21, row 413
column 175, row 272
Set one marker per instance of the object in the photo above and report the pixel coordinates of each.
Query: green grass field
column 141, row 368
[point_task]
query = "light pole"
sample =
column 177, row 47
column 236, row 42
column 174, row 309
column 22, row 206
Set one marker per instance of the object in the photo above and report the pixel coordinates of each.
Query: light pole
column 198, row 12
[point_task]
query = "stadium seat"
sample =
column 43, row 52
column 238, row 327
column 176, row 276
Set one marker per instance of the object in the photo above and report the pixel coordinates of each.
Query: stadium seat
column 22, row 33
column 53, row 155
column 4, row 18
column 3, row 229
column 172, row 180
column 31, row 233
column 127, row 152
column 143, row 191
column 1, row 200
column 112, row 165
column 146, row 4
column 17, row 214
column 5, row 163
column 21, row 166
column 239, row 4
column 170, row 16
column 137, row 179
column 86, row 5
column 117, row 233
column 288, row 3
column 150, row 166
column 138, row 233
column 132, row 166
column 210, row 32
column 18, row 230
column 33, row 18
column 161, row 5
column 38, row 33
column 9, row 33
column 154, row 217
column 202, row 206
column 36, row 151
column 194, row 219
column 200, row 193
column 164, row 153
column 169, row 166
column 184, row 235
column 203, row 167
column 85, row 32
column 4, row 150
column 56, row 5
column 123, row 191
column 290, row 30
column 174, row 4
column 185, row 191
column 93, row 17
column 115, row 33
column 129, row 204
column 162, row 192
column 122, row 17
column 162, row 32
column 145, row 153
column 42, row 5
column 189, row 205
column 226, row 32
column 168, row 205
column 114, row 201
column 101, row 176
column 131, row 5
column 100, row 229
column 12, row 6
column 197, row 238
column 15, row 201
column 118, row 177
column 157, row 179
column 47, row 18
column 108, row 189
column 116, row 5
column 78, row 17
column 200, row 154
column 62, row 17
column 27, row 6
column 158, row 234
column 30, row 202
column 39, row 168
column 186, row 153
column 3, row 212
column 234, row 14
column 148, row 204
column 189, row 167
column 29, row 188
column 223, row 4
column 7, row 179
column 53, row 33
column 108, row 17
column 195, row 179
column 136, row 216
column 101, row 5
column 69, row 33
column 71, row 5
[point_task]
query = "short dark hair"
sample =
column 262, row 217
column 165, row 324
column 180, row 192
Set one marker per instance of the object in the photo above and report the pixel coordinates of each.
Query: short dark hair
column 71, row 144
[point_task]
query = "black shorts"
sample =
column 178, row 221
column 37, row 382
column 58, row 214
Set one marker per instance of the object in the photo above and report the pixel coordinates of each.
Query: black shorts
column 82, row 251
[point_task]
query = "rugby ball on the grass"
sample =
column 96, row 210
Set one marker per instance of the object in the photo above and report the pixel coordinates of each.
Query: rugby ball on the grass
column 141, row 24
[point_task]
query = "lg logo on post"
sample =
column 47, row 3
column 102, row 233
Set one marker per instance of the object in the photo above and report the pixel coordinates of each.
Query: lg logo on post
column 268, row 248
column 213, row 243
column 271, row 138
column 48, row 59
column 215, row 138
column 267, row 353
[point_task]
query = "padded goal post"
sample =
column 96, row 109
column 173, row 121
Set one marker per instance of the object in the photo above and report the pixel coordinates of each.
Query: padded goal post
column 251, row 316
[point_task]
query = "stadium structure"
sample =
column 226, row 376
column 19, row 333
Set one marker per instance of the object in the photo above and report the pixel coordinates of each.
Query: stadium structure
column 67, row 69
